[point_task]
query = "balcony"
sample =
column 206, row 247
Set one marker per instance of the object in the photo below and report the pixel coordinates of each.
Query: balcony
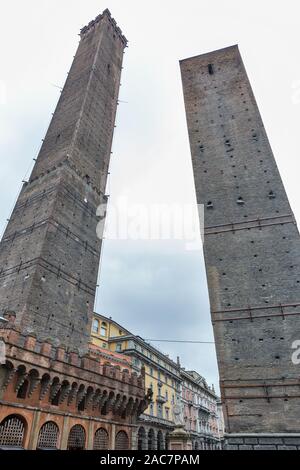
column 156, row 420
column 204, row 408
column 161, row 399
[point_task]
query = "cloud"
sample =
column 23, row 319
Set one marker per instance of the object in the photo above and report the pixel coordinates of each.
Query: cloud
column 157, row 290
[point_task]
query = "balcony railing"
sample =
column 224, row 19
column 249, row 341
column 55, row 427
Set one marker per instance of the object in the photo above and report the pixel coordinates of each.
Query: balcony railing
column 161, row 399
column 155, row 419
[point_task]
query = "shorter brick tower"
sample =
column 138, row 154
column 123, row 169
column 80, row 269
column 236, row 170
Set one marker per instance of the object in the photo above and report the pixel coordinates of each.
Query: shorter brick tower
column 252, row 253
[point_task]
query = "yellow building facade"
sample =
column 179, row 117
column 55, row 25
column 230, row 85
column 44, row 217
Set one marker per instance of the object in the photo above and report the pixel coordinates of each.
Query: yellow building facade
column 171, row 385
column 162, row 374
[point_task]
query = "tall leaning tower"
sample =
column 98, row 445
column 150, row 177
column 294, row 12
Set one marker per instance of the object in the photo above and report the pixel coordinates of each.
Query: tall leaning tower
column 49, row 254
column 252, row 253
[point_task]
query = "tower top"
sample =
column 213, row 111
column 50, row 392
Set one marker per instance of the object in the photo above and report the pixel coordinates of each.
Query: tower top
column 218, row 52
column 106, row 14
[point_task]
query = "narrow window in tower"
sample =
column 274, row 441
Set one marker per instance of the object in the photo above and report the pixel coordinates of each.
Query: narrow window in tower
column 108, row 69
column 209, row 205
column 210, row 69
column 240, row 201
column 271, row 195
column 57, row 138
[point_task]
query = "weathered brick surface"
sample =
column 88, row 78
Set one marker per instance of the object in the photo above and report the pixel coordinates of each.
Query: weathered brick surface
column 292, row 440
column 49, row 255
column 262, row 447
column 274, row 442
column 269, row 440
column 251, row 246
column 287, row 448
column 251, row 441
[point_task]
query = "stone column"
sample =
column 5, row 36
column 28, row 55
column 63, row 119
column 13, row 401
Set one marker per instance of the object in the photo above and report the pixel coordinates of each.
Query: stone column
column 34, row 432
column 65, row 433
column 134, row 438
column 112, row 437
column 90, row 436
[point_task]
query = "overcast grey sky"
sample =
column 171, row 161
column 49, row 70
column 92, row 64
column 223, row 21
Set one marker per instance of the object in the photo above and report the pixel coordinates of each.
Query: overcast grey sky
column 155, row 289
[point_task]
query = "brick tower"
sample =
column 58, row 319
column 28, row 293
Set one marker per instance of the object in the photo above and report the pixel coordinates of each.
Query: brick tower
column 49, row 254
column 251, row 249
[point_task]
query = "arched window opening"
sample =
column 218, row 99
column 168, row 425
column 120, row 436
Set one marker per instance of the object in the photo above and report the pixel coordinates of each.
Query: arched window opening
column 122, row 441
column 101, row 439
column 76, row 440
column 12, row 432
column 103, row 329
column 151, row 438
column 96, row 325
column 160, row 441
column 142, row 439
column 48, row 436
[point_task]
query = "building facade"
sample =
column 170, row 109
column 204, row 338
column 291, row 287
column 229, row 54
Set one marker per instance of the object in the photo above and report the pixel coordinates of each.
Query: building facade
column 200, row 413
column 55, row 390
column 252, row 252
column 170, row 385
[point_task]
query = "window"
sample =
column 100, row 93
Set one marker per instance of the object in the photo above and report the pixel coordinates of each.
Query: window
column 48, row 436
column 151, row 371
column 76, row 440
column 96, row 325
column 271, row 195
column 103, row 329
column 12, row 430
column 101, row 439
column 210, row 69
column 119, row 347
column 167, row 413
column 122, row 441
